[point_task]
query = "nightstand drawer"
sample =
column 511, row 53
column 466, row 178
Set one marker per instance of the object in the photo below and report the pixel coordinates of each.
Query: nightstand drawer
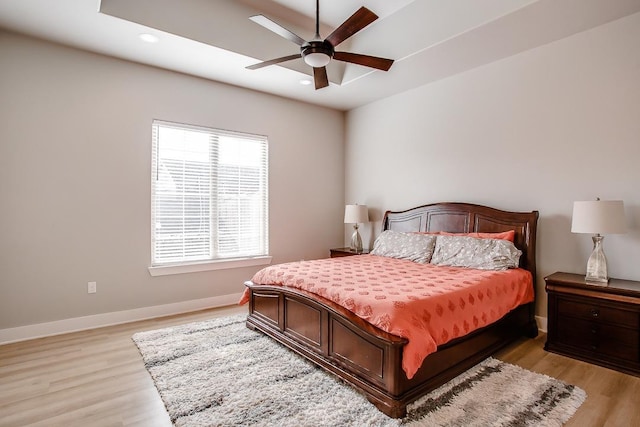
column 599, row 338
column 596, row 311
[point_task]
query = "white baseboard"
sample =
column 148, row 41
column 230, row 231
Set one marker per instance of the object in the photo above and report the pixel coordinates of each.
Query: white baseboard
column 39, row 330
column 542, row 323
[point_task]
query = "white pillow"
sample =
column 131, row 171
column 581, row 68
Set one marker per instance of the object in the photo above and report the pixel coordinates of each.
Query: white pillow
column 411, row 246
column 471, row 252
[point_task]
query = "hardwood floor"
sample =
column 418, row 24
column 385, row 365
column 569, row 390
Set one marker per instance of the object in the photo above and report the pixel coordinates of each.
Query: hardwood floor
column 90, row 378
column 96, row 378
column 613, row 398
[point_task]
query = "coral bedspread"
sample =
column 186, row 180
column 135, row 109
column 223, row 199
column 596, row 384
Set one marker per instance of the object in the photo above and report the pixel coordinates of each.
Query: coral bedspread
column 427, row 304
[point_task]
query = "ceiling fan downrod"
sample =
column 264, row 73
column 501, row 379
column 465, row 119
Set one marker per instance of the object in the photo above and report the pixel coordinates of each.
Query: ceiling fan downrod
column 317, row 52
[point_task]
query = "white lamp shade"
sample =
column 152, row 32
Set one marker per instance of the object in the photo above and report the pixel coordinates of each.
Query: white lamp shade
column 598, row 217
column 354, row 214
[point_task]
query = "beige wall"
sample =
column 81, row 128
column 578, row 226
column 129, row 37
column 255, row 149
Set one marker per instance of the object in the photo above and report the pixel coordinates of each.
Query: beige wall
column 75, row 153
column 535, row 131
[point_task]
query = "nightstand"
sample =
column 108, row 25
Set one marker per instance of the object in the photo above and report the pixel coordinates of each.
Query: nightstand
column 595, row 323
column 338, row 252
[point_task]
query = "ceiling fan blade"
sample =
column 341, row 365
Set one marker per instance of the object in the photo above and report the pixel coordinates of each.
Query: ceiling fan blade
column 320, row 77
column 355, row 23
column 277, row 28
column 273, row 61
column 366, row 60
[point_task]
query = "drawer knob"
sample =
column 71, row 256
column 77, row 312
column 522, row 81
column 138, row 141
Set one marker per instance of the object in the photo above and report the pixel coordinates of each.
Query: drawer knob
column 595, row 312
column 594, row 331
column 594, row 347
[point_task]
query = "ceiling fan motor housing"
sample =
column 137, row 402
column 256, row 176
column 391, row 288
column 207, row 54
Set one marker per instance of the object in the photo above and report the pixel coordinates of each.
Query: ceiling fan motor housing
column 321, row 47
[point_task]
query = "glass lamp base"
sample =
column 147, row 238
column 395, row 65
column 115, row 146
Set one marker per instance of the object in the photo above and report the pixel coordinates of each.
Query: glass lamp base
column 597, row 264
column 356, row 240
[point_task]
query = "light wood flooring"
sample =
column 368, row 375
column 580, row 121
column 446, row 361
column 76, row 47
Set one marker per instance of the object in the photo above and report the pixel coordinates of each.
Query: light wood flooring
column 97, row 378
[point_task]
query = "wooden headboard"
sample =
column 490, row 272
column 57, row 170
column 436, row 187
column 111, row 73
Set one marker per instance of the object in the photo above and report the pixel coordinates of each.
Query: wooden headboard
column 465, row 218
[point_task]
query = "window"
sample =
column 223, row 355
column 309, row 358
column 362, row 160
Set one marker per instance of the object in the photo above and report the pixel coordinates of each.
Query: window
column 209, row 197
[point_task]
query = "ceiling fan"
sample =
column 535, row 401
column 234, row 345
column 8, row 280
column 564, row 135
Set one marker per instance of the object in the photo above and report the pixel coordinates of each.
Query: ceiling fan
column 317, row 52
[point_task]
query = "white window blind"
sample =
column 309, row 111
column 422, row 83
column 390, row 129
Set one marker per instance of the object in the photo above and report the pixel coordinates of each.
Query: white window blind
column 209, row 194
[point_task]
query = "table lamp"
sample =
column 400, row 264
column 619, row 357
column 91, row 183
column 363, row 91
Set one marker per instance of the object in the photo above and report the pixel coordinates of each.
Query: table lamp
column 354, row 214
column 598, row 217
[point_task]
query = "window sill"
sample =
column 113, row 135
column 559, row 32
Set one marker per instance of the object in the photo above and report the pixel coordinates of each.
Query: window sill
column 165, row 270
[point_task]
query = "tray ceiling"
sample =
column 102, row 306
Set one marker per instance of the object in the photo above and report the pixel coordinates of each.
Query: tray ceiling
column 429, row 39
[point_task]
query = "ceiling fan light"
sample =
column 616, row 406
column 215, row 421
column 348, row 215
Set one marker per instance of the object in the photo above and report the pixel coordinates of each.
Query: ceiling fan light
column 317, row 59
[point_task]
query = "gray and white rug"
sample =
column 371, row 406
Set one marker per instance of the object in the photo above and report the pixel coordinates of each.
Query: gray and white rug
column 219, row 373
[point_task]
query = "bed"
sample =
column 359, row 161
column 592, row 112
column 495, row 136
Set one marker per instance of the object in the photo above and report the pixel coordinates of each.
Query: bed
column 367, row 357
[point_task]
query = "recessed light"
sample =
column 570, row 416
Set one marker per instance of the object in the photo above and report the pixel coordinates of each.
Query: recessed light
column 305, row 82
column 149, row 38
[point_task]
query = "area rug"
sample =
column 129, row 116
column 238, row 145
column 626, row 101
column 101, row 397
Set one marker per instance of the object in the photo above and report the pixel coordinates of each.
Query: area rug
column 219, row 373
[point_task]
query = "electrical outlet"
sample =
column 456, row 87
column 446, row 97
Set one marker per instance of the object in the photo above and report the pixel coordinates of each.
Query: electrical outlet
column 92, row 287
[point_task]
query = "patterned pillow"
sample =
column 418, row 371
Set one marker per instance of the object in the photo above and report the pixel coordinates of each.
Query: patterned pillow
column 471, row 252
column 411, row 246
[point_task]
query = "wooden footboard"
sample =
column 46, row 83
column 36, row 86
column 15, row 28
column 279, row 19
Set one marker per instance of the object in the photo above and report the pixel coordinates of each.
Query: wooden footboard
column 371, row 359
column 364, row 356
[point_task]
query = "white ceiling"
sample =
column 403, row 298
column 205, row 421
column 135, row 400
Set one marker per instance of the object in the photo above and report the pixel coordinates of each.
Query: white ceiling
column 214, row 39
